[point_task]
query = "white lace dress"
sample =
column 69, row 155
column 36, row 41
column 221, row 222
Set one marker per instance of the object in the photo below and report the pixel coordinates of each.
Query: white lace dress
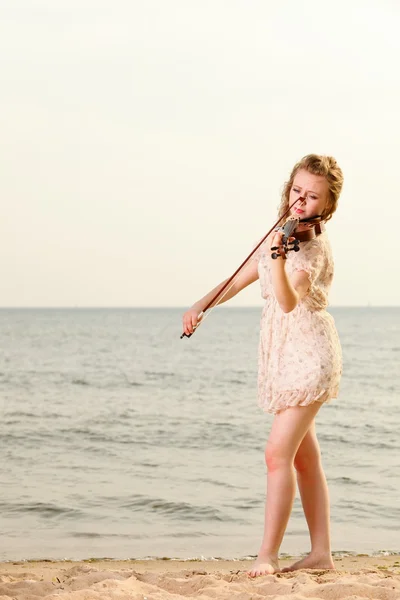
column 300, row 358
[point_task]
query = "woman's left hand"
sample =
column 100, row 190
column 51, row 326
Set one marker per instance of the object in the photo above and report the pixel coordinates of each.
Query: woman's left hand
column 276, row 241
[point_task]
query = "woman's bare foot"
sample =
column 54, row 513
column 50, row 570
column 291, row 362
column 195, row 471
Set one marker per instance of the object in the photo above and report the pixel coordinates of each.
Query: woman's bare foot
column 264, row 565
column 312, row 561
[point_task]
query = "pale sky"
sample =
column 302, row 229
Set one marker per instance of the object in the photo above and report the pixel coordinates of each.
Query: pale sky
column 144, row 143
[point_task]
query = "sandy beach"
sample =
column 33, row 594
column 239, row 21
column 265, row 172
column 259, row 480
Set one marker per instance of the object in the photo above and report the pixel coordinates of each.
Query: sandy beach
column 356, row 577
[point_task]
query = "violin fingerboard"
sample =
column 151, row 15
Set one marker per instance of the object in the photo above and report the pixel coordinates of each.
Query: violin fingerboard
column 289, row 227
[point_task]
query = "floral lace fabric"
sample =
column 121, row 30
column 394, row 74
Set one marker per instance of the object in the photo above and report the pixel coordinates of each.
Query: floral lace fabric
column 300, row 357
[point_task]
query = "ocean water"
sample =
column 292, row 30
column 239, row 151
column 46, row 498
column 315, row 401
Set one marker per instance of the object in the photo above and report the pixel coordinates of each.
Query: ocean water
column 120, row 440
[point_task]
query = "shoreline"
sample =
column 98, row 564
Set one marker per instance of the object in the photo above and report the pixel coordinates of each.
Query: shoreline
column 336, row 554
column 343, row 563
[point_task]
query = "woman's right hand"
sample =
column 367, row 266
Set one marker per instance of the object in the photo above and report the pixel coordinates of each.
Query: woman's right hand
column 191, row 319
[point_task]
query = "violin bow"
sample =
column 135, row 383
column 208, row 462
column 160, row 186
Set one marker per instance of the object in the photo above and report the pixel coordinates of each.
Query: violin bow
column 225, row 289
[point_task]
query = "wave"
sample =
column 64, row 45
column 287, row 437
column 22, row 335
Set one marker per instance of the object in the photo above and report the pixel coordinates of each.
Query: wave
column 43, row 509
column 159, row 374
column 174, row 509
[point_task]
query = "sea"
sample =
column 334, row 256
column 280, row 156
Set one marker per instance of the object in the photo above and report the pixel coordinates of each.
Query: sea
column 120, row 440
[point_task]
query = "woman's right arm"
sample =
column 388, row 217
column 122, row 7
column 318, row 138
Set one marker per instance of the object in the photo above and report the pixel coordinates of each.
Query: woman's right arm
column 191, row 316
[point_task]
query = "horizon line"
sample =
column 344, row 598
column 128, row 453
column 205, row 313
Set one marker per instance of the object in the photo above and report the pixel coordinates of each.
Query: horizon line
column 163, row 307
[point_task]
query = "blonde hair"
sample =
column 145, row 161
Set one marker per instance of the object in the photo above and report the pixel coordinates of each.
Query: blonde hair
column 317, row 165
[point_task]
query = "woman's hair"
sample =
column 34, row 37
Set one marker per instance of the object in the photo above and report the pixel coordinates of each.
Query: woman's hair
column 317, row 165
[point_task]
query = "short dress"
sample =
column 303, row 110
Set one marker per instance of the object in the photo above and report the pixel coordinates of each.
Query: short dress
column 300, row 357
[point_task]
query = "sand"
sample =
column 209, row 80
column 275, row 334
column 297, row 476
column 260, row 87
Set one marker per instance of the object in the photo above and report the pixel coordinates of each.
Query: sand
column 356, row 577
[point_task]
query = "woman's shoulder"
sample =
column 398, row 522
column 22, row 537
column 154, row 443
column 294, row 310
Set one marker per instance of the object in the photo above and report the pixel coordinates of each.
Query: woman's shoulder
column 315, row 253
column 319, row 243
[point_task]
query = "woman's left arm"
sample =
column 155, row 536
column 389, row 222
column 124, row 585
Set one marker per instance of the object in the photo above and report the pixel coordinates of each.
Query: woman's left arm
column 288, row 291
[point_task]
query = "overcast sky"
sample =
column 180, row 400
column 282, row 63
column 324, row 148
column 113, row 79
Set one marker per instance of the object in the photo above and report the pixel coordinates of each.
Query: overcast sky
column 144, row 144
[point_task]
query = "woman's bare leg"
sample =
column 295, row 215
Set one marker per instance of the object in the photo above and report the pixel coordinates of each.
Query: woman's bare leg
column 315, row 499
column 288, row 430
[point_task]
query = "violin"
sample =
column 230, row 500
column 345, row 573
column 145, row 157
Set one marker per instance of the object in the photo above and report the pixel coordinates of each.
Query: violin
column 289, row 229
column 308, row 229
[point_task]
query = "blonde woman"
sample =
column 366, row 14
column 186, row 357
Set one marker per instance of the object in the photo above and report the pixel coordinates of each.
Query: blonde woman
column 300, row 361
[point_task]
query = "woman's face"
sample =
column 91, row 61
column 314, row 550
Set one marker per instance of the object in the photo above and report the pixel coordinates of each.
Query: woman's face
column 313, row 191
